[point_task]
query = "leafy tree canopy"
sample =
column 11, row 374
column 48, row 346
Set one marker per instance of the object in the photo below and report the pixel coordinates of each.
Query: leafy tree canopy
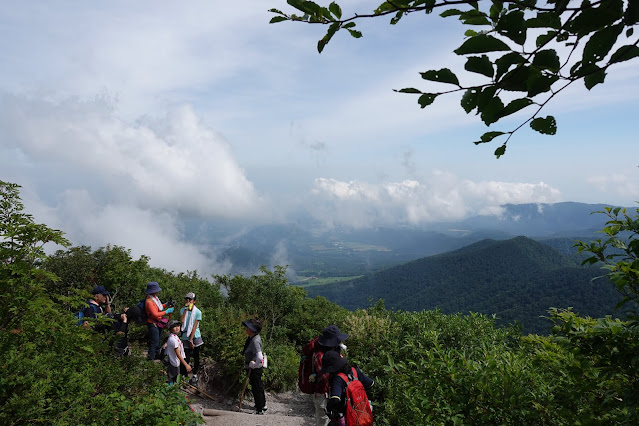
column 527, row 51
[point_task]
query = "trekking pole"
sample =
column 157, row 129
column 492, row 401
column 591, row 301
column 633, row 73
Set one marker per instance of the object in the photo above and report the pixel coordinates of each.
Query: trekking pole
column 239, row 407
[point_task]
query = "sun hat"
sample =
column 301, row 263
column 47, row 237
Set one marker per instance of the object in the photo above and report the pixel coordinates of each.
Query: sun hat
column 331, row 336
column 190, row 295
column 253, row 325
column 152, row 287
column 173, row 323
column 332, row 361
column 100, row 290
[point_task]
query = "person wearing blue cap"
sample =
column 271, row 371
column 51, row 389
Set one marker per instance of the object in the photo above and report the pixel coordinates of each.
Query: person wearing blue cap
column 156, row 311
column 100, row 298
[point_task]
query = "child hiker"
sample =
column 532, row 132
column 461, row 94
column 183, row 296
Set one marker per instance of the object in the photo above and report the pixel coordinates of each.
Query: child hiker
column 175, row 350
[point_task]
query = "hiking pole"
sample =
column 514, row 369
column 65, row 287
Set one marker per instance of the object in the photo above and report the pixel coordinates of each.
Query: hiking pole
column 239, row 407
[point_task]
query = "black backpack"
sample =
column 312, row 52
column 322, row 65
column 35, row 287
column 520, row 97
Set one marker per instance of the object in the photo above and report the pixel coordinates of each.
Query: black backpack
column 143, row 317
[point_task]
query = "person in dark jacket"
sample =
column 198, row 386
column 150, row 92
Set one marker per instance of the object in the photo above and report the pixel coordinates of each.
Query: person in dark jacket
column 334, row 364
column 330, row 340
column 253, row 362
column 121, row 329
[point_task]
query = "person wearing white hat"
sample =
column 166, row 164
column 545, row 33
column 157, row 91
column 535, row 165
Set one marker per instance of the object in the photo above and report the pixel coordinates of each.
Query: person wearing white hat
column 191, row 337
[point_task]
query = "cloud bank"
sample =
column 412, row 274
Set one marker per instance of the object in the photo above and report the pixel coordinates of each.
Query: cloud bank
column 441, row 197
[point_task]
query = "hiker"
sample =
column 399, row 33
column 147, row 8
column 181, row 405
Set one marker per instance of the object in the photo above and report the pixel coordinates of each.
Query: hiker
column 253, row 362
column 121, row 329
column 330, row 340
column 155, row 313
column 100, row 297
column 175, row 351
column 339, row 405
column 191, row 316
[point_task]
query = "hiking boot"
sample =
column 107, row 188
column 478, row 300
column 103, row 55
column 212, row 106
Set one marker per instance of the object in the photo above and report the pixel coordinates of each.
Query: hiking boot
column 265, row 408
column 193, row 380
column 261, row 412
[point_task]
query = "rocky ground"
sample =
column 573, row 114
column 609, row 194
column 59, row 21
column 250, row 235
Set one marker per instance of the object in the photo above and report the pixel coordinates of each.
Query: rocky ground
column 220, row 408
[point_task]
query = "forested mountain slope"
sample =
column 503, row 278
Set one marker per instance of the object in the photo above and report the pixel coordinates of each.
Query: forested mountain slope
column 517, row 279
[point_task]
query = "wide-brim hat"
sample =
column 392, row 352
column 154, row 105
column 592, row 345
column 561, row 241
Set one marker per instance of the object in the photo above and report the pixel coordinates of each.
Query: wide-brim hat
column 332, row 362
column 152, row 287
column 248, row 324
column 332, row 337
column 100, row 290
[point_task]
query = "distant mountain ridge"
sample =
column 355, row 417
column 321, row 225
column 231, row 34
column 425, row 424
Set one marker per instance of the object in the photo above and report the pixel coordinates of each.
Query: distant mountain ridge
column 517, row 279
column 312, row 250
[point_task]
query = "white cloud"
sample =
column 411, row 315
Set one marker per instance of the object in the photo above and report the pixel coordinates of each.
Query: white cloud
column 618, row 184
column 86, row 221
column 176, row 163
column 441, row 197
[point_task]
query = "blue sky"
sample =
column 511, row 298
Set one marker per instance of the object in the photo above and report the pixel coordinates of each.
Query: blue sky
column 120, row 118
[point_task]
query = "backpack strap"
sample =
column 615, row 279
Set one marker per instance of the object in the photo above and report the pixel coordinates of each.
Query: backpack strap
column 346, row 379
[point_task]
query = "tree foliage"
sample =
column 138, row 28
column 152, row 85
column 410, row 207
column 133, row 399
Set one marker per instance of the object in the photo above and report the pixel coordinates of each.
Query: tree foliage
column 527, row 51
column 54, row 372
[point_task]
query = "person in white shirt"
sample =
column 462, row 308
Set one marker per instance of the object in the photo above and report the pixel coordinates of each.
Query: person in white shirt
column 175, row 350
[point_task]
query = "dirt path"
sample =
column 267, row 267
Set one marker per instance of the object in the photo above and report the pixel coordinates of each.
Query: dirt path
column 291, row 408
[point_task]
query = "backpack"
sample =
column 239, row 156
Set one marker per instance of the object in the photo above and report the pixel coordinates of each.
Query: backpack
column 358, row 409
column 80, row 315
column 306, row 368
column 142, row 307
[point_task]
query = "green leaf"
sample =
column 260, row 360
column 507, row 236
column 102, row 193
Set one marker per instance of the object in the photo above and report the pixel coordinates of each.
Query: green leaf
column 545, row 38
column 335, row 10
column 500, row 151
column 600, row 43
column 450, row 12
column 505, row 62
column 306, row 6
column 631, row 16
column 485, row 96
column 355, row 33
column 513, row 26
column 426, row 99
column 276, row 19
column 516, row 80
column 625, row 53
column 480, row 64
column 547, row 59
column 595, row 18
column 408, row 90
column 488, row 136
column 496, row 10
column 396, row 18
column 469, row 99
column 597, row 77
column 332, row 29
column 544, row 20
column 474, row 17
column 491, row 111
column 482, row 43
column 546, row 126
column 539, row 83
column 516, row 105
column 444, row 75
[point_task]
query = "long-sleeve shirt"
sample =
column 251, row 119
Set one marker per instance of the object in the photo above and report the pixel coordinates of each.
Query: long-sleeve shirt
column 153, row 313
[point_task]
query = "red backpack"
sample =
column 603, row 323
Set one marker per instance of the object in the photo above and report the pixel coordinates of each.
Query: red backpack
column 358, row 409
column 306, row 368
